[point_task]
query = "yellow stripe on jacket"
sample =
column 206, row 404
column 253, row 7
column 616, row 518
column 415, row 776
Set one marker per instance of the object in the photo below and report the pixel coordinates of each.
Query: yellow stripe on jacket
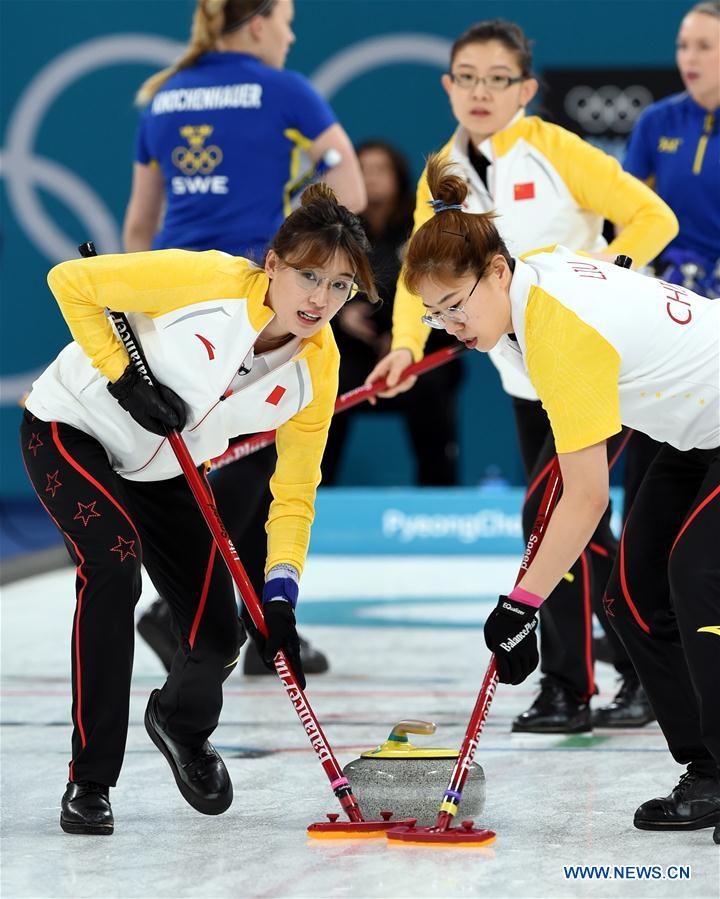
column 575, row 372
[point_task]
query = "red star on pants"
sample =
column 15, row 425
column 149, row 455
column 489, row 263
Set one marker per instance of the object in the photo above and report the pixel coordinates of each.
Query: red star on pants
column 53, row 483
column 125, row 548
column 86, row 511
column 609, row 602
column 35, row 444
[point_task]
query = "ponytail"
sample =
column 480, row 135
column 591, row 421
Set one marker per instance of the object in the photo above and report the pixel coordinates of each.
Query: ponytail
column 452, row 243
column 212, row 18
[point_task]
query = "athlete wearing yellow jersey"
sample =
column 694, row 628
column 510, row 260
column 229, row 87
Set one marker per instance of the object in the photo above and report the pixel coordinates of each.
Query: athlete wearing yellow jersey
column 546, row 186
column 236, row 349
column 606, row 347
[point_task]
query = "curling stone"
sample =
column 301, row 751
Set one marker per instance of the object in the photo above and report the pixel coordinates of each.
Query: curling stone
column 410, row 780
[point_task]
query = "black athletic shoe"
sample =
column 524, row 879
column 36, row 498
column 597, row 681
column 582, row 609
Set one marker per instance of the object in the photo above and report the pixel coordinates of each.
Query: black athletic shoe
column 557, row 710
column 155, row 627
column 313, row 661
column 85, row 809
column 630, row 708
column 199, row 772
column 694, row 803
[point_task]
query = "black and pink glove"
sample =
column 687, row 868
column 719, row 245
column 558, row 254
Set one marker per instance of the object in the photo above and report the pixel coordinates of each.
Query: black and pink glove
column 510, row 634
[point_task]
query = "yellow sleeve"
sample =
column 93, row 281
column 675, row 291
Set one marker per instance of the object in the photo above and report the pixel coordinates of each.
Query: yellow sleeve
column 408, row 330
column 154, row 283
column 575, row 372
column 300, row 445
column 598, row 183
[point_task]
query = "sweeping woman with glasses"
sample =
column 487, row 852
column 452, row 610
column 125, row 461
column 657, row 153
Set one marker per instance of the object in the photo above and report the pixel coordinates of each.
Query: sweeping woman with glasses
column 546, row 186
column 236, row 348
column 605, row 347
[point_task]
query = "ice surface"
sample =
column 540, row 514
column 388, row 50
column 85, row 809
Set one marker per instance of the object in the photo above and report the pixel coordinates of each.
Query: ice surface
column 405, row 643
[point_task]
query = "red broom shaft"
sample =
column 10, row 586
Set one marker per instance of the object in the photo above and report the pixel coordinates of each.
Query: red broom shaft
column 490, row 681
column 346, row 401
column 229, row 554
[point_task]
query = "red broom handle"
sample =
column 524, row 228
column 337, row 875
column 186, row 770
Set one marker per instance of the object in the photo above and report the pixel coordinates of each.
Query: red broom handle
column 346, row 401
column 453, row 793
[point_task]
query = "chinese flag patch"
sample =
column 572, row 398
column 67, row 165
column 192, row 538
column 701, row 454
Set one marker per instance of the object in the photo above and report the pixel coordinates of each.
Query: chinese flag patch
column 276, row 395
column 524, row 191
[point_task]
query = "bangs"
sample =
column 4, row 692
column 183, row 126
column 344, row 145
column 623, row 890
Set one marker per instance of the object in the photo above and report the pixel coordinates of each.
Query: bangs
column 317, row 251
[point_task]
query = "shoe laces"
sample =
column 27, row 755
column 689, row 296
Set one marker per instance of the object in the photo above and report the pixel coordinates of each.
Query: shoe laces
column 687, row 782
column 197, row 767
column 89, row 786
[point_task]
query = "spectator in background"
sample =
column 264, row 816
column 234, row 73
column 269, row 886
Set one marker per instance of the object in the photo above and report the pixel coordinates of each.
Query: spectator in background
column 547, row 186
column 675, row 147
column 363, row 330
column 218, row 149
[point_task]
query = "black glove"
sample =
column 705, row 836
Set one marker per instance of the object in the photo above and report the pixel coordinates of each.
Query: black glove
column 154, row 408
column 510, row 634
column 282, row 634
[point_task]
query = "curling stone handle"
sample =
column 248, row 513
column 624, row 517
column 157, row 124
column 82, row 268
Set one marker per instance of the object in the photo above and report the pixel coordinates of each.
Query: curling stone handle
column 412, row 726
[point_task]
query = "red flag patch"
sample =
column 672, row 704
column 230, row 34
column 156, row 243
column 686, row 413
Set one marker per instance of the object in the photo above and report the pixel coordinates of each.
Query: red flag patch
column 524, row 191
column 276, row 395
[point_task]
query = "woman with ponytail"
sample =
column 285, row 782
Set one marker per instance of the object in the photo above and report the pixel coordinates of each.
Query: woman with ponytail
column 604, row 347
column 237, row 348
column 218, row 149
column 221, row 135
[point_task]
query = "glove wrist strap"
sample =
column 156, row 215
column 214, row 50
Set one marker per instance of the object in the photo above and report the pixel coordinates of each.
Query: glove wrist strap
column 526, row 597
column 281, row 583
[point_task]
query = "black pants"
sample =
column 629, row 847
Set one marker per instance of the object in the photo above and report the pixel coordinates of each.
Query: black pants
column 429, row 410
column 110, row 526
column 663, row 599
column 243, row 497
column 566, row 618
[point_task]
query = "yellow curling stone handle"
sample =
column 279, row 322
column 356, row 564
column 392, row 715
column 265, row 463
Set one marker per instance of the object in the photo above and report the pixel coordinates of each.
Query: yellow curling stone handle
column 398, row 746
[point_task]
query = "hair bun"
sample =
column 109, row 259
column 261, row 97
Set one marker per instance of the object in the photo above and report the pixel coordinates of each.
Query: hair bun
column 318, row 191
column 444, row 183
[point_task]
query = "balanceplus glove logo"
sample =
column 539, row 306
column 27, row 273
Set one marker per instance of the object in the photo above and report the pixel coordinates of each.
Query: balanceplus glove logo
column 198, row 162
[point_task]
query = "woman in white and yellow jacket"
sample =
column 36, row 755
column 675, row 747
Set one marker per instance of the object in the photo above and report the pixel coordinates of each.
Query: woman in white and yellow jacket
column 545, row 186
column 606, row 347
column 235, row 349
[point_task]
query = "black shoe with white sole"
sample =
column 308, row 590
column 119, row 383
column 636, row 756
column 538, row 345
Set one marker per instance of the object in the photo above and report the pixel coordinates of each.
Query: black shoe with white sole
column 85, row 809
column 199, row 772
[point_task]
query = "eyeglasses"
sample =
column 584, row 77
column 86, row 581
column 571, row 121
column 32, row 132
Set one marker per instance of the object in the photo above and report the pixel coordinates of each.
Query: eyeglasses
column 452, row 314
column 467, row 82
column 340, row 289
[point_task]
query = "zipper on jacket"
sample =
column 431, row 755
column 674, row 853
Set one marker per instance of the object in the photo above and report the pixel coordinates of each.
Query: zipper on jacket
column 702, row 143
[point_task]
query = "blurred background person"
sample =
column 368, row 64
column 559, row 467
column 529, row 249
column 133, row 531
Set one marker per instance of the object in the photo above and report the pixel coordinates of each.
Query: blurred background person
column 363, row 330
column 218, row 149
column 547, row 186
column 675, row 147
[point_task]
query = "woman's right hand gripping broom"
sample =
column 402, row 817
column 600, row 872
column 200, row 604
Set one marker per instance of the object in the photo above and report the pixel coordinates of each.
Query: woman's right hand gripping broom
column 391, row 367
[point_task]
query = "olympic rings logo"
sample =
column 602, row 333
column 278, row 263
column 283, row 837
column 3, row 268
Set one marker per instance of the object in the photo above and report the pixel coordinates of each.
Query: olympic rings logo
column 197, row 158
column 607, row 108
column 24, row 171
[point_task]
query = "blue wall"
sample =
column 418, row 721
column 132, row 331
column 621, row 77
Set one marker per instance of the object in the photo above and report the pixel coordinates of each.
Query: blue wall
column 68, row 125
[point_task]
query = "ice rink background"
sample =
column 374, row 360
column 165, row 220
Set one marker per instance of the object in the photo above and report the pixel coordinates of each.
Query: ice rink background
column 405, row 642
